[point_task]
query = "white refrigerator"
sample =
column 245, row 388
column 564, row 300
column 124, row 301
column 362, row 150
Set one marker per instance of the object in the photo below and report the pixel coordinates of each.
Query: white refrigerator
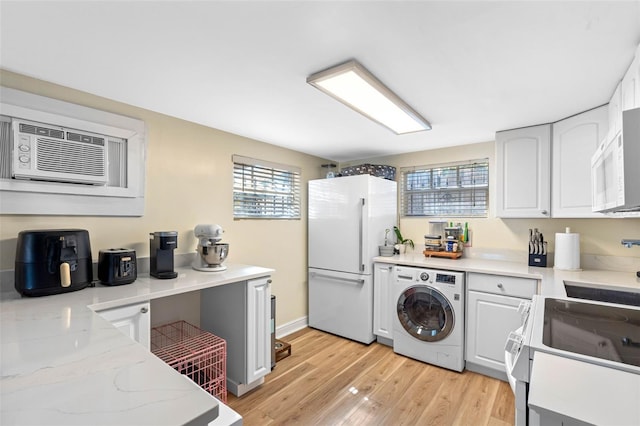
column 347, row 221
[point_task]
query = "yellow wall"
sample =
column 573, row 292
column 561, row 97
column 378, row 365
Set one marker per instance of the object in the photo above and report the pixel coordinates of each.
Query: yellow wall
column 597, row 236
column 189, row 181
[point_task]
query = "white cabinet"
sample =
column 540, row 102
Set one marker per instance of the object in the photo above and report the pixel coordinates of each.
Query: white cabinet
column 132, row 320
column 615, row 110
column 258, row 329
column 630, row 86
column 523, row 172
column 240, row 314
column 383, row 306
column 492, row 313
column 575, row 140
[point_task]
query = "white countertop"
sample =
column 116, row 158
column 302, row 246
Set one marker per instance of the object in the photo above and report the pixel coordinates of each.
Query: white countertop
column 61, row 363
column 583, row 392
column 551, row 280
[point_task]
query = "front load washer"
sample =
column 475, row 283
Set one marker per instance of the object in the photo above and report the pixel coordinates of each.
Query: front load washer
column 428, row 317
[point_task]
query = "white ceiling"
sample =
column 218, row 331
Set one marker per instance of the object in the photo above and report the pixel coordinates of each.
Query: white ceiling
column 469, row 67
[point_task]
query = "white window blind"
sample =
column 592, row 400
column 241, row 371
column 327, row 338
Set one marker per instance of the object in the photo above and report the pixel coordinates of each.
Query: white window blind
column 460, row 189
column 262, row 189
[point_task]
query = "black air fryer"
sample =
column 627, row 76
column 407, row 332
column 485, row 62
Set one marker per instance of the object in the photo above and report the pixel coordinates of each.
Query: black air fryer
column 52, row 261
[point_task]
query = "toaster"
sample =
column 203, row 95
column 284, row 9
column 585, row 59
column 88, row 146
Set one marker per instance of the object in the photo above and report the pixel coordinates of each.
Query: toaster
column 117, row 266
column 52, row 261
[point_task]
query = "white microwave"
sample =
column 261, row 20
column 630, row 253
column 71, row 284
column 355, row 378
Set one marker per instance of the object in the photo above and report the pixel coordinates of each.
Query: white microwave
column 615, row 168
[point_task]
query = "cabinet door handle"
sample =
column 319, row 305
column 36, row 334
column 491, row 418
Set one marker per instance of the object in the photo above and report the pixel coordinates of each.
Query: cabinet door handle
column 500, row 286
column 361, row 236
column 269, row 281
column 545, row 213
column 144, row 310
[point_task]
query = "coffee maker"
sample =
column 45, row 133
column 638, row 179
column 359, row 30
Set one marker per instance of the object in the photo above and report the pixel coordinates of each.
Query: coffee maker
column 161, row 246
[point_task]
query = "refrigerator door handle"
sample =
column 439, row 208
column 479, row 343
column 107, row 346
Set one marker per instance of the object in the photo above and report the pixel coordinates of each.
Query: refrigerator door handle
column 331, row 277
column 361, row 235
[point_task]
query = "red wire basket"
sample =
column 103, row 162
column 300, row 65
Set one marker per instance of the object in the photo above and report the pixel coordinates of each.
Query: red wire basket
column 196, row 353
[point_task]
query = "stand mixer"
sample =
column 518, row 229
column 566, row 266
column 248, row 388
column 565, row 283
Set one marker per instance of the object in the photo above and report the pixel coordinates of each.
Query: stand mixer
column 211, row 252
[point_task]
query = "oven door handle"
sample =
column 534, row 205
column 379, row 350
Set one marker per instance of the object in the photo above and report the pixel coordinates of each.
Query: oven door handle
column 509, row 359
column 508, row 362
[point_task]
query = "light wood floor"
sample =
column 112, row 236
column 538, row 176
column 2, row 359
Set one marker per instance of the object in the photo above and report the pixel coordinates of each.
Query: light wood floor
column 328, row 380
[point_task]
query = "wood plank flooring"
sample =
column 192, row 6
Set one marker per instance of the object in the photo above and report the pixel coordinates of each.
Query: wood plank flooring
column 328, row 380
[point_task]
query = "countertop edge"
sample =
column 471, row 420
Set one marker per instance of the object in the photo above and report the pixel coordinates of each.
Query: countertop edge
column 101, row 355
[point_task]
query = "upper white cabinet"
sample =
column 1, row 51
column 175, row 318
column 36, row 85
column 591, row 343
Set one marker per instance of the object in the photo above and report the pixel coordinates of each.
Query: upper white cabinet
column 626, row 96
column 630, row 86
column 523, row 172
column 575, row 140
column 615, row 110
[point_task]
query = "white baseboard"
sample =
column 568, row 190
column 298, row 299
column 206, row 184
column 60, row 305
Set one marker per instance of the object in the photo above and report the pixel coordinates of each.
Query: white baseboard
column 292, row 326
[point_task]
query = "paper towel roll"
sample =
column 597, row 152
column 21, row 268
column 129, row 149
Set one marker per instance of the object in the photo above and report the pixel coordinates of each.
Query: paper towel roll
column 567, row 255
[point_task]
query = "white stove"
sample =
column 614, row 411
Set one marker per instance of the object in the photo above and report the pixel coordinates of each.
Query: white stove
column 599, row 333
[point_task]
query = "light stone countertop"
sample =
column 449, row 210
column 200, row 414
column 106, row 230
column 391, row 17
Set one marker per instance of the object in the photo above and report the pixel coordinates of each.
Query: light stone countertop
column 551, row 280
column 61, row 363
column 581, row 393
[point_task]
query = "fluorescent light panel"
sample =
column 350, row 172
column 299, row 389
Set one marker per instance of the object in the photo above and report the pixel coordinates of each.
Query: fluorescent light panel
column 354, row 86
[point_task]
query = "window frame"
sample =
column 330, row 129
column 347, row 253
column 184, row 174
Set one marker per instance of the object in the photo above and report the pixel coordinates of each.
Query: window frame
column 265, row 190
column 421, row 201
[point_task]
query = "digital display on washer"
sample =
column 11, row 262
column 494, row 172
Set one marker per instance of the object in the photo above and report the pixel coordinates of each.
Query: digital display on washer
column 445, row 278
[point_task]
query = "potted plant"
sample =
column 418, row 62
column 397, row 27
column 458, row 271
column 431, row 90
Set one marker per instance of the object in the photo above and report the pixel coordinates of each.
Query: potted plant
column 404, row 242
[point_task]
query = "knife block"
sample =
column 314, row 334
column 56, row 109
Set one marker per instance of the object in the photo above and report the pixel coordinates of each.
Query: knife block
column 538, row 260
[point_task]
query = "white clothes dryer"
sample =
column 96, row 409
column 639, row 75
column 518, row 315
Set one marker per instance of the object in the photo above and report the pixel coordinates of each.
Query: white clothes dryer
column 428, row 317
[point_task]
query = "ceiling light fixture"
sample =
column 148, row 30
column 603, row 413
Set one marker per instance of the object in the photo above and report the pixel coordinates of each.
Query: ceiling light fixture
column 357, row 88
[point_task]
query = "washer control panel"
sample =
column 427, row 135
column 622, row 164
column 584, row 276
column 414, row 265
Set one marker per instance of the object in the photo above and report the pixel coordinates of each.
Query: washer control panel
column 428, row 276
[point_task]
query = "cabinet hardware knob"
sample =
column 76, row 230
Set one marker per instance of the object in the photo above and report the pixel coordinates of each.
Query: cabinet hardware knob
column 500, row 285
column 144, row 309
column 269, row 281
column 544, row 212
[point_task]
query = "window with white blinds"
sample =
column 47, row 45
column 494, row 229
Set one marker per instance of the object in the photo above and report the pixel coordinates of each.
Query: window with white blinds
column 450, row 190
column 265, row 190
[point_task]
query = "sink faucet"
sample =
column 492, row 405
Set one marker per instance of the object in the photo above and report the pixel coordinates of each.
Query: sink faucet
column 628, row 243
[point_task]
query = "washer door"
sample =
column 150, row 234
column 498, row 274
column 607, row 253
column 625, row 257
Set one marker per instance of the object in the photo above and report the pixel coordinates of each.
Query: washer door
column 425, row 313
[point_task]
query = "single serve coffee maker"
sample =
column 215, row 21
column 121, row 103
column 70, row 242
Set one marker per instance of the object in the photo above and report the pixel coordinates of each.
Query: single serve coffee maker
column 161, row 246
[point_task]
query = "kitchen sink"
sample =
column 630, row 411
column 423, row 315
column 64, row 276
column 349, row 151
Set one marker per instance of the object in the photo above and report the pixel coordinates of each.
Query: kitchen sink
column 581, row 291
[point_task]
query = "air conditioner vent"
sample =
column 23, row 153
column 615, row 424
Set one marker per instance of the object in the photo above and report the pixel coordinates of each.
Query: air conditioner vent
column 43, row 131
column 70, row 157
column 77, row 137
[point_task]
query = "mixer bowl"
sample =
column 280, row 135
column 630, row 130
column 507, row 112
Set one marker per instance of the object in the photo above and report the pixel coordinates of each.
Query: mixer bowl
column 214, row 254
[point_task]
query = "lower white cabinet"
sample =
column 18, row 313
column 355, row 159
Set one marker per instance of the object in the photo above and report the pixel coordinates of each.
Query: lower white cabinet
column 133, row 320
column 240, row 314
column 258, row 329
column 492, row 313
column 382, row 304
